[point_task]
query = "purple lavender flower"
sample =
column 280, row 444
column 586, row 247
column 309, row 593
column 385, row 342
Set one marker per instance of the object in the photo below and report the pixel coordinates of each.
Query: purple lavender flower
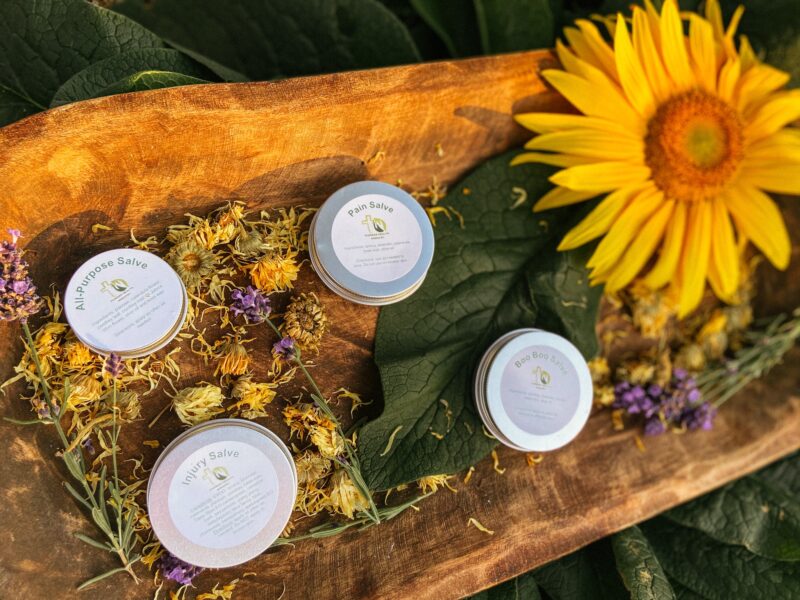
column 654, row 426
column 174, row 568
column 285, row 348
column 113, row 365
column 699, row 417
column 251, row 303
column 18, row 298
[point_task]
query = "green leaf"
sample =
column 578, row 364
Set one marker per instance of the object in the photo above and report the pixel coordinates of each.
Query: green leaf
column 44, row 43
column 640, row 570
column 95, row 79
column 148, row 80
column 523, row 587
column 684, row 593
column 429, row 44
column 511, row 25
column 749, row 512
column 500, row 272
column 455, row 22
column 784, row 474
column 266, row 39
column 587, row 573
column 719, row 571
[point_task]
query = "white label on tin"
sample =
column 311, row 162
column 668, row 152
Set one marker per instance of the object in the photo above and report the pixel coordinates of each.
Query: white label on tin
column 124, row 300
column 377, row 238
column 540, row 390
column 223, row 494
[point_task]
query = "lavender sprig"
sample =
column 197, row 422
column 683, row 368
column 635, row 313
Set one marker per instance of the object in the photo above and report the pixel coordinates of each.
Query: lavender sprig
column 18, row 298
column 250, row 303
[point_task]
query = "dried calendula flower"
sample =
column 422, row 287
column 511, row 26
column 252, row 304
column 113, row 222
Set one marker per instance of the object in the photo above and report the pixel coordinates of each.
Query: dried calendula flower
column 250, row 242
column 234, row 359
column 305, row 321
column 193, row 263
column 84, row 389
column 344, row 497
column 325, row 437
column 275, row 272
column 311, row 467
column 128, row 404
column 77, row 355
column 691, row 357
column 713, row 336
column 604, row 395
column 651, row 310
column 432, row 483
column 252, row 397
column 228, row 224
column 638, row 372
column 198, row 404
column 601, row 372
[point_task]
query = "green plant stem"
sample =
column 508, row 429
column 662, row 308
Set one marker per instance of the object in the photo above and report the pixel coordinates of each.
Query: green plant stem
column 351, row 465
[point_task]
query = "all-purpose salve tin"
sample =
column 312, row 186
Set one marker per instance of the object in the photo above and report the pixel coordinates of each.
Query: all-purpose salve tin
column 371, row 243
column 126, row 301
column 221, row 493
column 533, row 390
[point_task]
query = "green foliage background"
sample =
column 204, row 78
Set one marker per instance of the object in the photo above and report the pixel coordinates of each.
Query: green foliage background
column 740, row 542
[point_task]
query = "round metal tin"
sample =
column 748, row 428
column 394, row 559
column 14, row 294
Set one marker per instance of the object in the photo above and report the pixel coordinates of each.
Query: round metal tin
column 371, row 243
column 533, row 390
column 126, row 301
column 221, row 493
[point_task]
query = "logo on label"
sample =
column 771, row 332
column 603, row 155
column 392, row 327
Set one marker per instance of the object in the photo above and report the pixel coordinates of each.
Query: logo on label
column 114, row 288
column 541, row 377
column 375, row 225
column 216, row 474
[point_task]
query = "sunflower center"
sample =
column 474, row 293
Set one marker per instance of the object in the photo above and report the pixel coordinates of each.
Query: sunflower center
column 693, row 146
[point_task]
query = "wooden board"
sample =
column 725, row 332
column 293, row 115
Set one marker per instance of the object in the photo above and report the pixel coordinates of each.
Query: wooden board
column 141, row 161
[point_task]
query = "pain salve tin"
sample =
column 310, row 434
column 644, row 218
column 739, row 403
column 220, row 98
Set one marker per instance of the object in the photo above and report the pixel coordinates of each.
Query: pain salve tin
column 371, row 243
column 126, row 301
column 221, row 492
column 533, row 390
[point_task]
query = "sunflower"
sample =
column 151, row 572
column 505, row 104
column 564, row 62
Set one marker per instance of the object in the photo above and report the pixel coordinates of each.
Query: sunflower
column 685, row 134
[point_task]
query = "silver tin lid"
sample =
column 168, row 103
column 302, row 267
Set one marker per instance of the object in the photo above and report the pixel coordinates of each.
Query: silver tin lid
column 533, row 390
column 371, row 243
column 221, row 493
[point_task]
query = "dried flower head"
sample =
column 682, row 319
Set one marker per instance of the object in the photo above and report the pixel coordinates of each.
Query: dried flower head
column 198, row 404
column 250, row 303
column 311, row 467
column 325, row 437
column 77, row 355
column 228, row 223
column 250, row 243
column 691, row 357
column 252, row 397
column 113, row 365
column 275, row 272
column 84, row 389
column 234, row 359
column 129, row 405
column 192, row 262
column 305, row 321
column 174, row 569
column 18, row 298
column 344, row 497
column 601, row 372
column 713, row 335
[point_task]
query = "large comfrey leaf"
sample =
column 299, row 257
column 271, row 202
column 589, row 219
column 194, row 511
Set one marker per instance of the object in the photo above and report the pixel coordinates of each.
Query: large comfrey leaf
column 45, row 43
column 144, row 81
column 719, row 571
column 784, row 474
column 511, row 25
column 523, row 587
column 501, row 271
column 639, row 568
column 267, row 39
column 749, row 512
column 94, row 80
column 588, row 574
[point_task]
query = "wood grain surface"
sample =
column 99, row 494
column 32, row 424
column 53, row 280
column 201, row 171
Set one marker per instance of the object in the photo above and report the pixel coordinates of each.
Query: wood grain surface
column 141, row 161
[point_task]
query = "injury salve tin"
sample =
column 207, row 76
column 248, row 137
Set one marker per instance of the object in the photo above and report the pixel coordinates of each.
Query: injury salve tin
column 221, row 493
column 126, row 301
column 533, row 390
column 371, row 243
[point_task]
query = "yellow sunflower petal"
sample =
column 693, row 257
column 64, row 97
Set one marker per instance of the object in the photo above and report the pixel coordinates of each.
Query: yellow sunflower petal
column 599, row 221
column 695, row 257
column 728, row 78
column 775, row 114
column 704, row 56
column 757, row 84
column 641, row 249
column 578, row 44
column 775, row 177
column 781, row 146
column 673, row 46
column 612, row 246
column 555, row 160
column 602, row 176
column 631, row 73
column 595, row 100
column 599, row 47
column 667, row 263
column 559, row 196
column 646, row 48
column 760, row 220
column 587, row 142
column 724, row 255
column 714, row 16
column 746, row 54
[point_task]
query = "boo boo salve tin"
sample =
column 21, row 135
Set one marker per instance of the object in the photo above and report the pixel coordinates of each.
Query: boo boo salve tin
column 221, row 493
column 371, row 243
column 533, row 390
column 126, row 301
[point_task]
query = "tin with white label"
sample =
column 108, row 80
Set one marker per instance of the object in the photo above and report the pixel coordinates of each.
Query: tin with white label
column 126, row 301
column 533, row 390
column 371, row 243
column 221, row 493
